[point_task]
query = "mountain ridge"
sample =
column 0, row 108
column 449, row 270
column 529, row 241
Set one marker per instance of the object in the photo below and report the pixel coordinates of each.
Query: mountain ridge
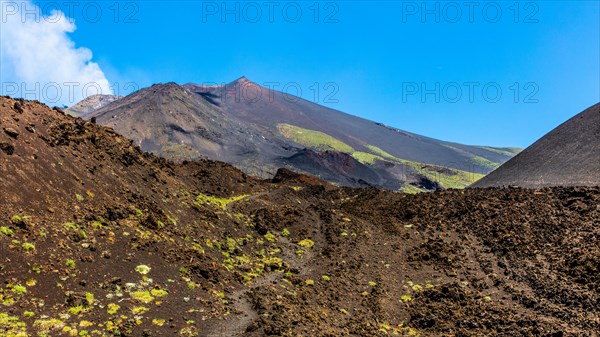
column 248, row 109
column 261, row 135
column 91, row 103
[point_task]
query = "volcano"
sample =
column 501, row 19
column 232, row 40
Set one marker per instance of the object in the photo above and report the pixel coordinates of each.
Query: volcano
column 91, row 103
column 260, row 130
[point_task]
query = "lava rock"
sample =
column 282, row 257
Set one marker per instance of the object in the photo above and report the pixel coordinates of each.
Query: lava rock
column 11, row 132
column 7, row 148
column 18, row 107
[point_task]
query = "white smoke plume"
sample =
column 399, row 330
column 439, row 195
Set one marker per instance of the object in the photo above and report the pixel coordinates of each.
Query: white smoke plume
column 38, row 60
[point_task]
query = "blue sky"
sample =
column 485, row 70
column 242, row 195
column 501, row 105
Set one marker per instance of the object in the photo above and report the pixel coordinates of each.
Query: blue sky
column 544, row 56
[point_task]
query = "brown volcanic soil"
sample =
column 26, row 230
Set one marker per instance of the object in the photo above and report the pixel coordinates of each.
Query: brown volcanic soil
column 230, row 255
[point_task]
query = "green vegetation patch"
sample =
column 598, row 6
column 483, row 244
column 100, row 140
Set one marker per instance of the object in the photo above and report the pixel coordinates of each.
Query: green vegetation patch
column 306, row 243
column 366, row 158
column 410, row 189
column 143, row 269
column 378, row 151
column 480, row 161
column 459, row 179
column 158, row 292
column 20, row 219
column 12, row 326
column 6, row 231
column 447, row 177
column 477, row 160
column 142, row 296
column 312, row 138
column 216, row 201
column 28, row 246
column 505, row 151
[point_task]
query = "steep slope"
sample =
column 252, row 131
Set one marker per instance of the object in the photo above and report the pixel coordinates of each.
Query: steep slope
column 567, row 156
column 258, row 137
column 170, row 121
column 91, row 103
column 342, row 168
column 268, row 108
column 100, row 239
